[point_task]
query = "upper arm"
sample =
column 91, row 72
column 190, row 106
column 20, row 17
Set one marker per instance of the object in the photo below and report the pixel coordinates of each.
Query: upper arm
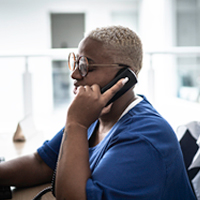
column 25, row 171
column 49, row 151
column 43, row 169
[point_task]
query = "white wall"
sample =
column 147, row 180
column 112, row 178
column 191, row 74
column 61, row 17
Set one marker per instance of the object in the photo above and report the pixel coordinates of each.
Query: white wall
column 157, row 31
column 25, row 24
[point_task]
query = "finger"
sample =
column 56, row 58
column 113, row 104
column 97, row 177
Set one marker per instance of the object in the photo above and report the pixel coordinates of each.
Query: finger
column 80, row 89
column 87, row 88
column 95, row 87
column 114, row 89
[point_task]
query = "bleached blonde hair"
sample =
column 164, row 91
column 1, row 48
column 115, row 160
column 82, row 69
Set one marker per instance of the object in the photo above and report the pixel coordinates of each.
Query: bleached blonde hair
column 126, row 43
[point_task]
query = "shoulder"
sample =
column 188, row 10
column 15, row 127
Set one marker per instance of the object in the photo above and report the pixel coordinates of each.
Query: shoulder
column 144, row 117
column 143, row 124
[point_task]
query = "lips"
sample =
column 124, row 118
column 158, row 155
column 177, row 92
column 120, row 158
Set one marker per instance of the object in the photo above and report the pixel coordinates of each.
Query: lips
column 75, row 87
column 75, row 90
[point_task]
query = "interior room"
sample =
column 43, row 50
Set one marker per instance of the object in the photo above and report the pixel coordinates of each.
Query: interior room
column 37, row 36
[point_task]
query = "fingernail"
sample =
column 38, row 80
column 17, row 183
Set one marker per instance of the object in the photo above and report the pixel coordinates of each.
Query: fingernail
column 125, row 80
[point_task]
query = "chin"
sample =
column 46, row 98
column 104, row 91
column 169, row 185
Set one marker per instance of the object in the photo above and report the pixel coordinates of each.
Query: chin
column 106, row 110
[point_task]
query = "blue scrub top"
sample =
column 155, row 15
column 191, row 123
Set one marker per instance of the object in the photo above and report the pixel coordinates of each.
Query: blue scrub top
column 140, row 159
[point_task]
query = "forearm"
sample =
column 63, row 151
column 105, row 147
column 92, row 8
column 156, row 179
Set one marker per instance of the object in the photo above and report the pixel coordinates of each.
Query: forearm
column 25, row 171
column 73, row 168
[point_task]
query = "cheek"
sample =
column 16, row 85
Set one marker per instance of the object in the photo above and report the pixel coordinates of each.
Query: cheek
column 107, row 79
column 100, row 78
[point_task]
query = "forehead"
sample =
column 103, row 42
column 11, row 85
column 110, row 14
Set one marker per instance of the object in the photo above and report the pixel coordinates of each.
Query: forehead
column 94, row 50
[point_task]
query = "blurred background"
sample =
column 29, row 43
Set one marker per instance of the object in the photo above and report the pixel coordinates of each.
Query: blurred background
column 36, row 37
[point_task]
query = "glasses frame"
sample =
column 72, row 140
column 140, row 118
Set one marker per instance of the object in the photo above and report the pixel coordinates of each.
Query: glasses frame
column 76, row 64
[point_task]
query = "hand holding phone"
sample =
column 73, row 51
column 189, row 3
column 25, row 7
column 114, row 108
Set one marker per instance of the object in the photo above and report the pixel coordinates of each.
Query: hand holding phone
column 89, row 100
column 126, row 72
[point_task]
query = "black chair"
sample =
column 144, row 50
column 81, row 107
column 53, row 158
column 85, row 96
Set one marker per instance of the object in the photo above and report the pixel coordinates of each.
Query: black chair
column 188, row 142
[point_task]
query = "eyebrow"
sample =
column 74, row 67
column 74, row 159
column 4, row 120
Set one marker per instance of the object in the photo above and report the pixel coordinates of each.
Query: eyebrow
column 89, row 59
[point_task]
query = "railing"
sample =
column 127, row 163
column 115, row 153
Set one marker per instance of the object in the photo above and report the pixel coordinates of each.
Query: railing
column 58, row 54
column 175, row 51
column 61, row 54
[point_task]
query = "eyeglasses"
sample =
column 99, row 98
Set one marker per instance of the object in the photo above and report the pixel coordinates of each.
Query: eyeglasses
column 83, row 64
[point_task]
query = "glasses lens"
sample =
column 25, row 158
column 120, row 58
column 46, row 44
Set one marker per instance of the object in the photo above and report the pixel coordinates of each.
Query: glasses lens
column 71, row 61
column 83, row 66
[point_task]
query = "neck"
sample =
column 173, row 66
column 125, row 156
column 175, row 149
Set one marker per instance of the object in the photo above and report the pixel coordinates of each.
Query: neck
column 110, row 118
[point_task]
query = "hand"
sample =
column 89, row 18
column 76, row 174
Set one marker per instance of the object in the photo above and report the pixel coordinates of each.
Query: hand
column 89, row 102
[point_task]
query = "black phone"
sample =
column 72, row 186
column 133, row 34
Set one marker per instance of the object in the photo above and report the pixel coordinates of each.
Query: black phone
column 125, row 72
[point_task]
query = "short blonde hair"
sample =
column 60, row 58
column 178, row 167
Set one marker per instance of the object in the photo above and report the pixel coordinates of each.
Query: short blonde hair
column 126, row 43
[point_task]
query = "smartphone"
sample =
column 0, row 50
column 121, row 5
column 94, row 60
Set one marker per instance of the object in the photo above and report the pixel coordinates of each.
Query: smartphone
column 125, row 72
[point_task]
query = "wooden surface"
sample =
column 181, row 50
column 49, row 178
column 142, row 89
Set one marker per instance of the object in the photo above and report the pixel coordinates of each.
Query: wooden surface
column 30, row 193
column 10, row 150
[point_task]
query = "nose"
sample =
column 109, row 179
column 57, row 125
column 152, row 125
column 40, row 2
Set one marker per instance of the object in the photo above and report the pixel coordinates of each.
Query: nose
column 76, row 74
